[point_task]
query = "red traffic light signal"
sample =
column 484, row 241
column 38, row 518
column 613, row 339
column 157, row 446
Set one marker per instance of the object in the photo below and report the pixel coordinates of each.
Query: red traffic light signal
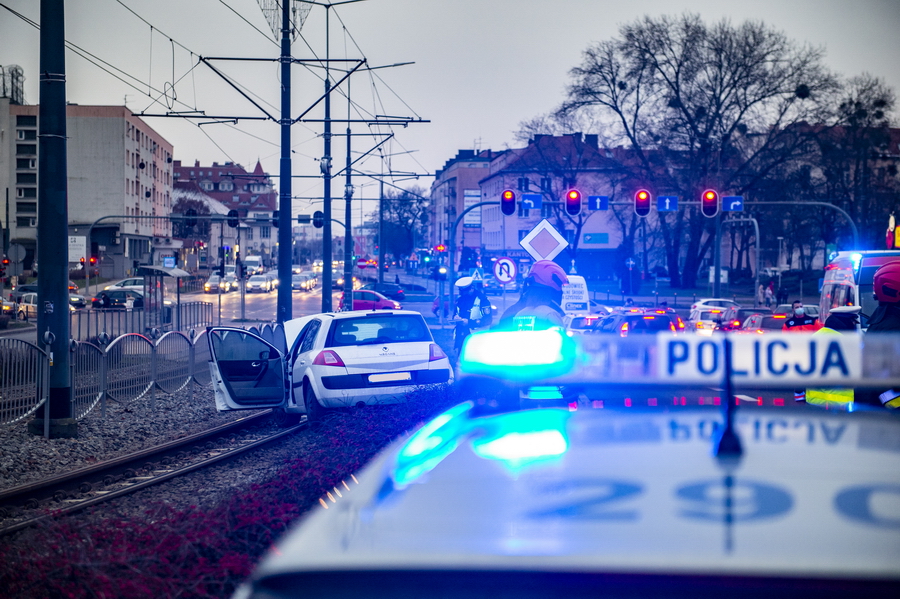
column 93, row 260
column 440, row 248
column 508, row 202
column 709, row 203
column 573, row 202
column 82, row 261
column 642, row 202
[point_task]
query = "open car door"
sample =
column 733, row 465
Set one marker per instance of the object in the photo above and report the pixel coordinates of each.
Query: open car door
column 247, row 371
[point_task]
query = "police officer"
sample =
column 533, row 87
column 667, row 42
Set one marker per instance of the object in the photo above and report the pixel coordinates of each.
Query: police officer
column 473, row 309
column 539, row 304
column 842, row 319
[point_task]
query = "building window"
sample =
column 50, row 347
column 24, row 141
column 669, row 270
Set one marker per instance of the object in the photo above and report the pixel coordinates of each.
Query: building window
column 26, row 149
column 26, row 208
column 26, row 163
column 523, row 184
column 546, row 184
column 546, row 210
column 249, row 234
column 26, row 192
column 26, row 178
column 523, row 212
column 523, row 233
column 265, row 232
column 25, row 221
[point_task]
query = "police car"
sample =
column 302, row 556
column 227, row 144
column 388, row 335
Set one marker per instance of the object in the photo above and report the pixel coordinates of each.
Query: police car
column 574, row 502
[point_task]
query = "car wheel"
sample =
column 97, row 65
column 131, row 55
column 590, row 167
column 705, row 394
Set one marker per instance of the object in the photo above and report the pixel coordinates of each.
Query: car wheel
column 314, row 410
column 284, row 420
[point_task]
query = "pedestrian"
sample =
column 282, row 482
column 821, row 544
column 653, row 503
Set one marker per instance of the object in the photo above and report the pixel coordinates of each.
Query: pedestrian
column 782, row 295
column 540, row 304
column 472, row 310
column 842, row 320
column 885, row 319
column 397, row 279
column 769, row 296
column 760, row 295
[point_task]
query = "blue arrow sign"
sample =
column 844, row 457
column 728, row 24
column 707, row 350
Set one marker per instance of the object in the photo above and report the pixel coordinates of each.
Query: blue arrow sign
column 532, row 201
column 667, row 203
column 733, row 204
column 598, row 202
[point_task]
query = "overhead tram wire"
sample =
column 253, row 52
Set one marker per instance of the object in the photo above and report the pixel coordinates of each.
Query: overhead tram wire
column 243, row 18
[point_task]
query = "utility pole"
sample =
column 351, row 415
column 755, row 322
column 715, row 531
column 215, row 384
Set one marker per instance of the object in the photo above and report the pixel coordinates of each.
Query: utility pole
column 55, row 417
column 285, row 309
column 326, row 178
column 348, row 232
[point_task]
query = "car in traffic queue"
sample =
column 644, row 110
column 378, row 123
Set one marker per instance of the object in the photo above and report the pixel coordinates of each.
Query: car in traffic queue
column 584, row 501
column 300, row 282
column 216, row 284
column 713, row 302
column 734, row 318
column 706, row 320
column 133, row 283
column 370, row 300
column 259, row 284
column 18, row 291
column 330, row 360
column 77, row 301
column 27, row 307
column 808, row 309
column 338, row 282
column 763, row 323
column 118, row 299
column 391, row 290
column 581, row 324
column 637, row 321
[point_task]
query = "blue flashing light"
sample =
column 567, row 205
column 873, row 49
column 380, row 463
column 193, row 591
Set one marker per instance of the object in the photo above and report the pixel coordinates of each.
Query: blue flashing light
column 855, row 259
column 516, row 439
column 518, row 355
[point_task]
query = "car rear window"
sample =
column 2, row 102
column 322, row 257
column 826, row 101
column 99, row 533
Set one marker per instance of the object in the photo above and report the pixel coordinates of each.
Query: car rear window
column 648, row 324
column 771, row 322
column 378, row 329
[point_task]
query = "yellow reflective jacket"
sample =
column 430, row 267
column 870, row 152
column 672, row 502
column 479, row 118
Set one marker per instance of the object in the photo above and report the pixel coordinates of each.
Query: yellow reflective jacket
column 823, row 397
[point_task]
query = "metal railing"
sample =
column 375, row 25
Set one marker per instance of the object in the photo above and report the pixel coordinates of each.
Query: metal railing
column 129, row 368
column 88, row 325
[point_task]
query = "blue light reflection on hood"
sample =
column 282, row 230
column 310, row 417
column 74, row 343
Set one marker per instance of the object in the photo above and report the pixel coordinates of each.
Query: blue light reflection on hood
column 516, row 440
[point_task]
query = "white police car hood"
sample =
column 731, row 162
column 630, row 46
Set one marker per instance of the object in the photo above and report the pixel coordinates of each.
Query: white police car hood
column 816, row 494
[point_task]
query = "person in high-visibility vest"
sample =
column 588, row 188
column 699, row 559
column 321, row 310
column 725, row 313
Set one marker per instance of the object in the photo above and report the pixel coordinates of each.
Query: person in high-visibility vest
column 841, row 320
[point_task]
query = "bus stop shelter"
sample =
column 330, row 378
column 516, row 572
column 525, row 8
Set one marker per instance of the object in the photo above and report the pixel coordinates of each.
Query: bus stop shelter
column 158, row 313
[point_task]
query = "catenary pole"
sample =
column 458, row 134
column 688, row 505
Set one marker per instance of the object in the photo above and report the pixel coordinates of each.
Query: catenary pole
column 284, row 311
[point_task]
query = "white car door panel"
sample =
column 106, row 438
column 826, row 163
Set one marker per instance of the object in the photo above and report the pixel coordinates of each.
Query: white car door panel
column 247, row 371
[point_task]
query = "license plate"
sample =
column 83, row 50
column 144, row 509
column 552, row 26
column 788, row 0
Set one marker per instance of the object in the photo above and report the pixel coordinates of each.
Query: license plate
column 389, row 376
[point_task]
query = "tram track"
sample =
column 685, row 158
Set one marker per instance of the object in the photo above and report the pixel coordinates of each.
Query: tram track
column 26, row 505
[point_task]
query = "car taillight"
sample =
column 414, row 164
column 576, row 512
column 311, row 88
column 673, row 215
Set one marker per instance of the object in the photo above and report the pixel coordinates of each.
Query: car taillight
column 680, row 323
column 435, row 353
column 736, row 323
column 623, row 330
column 328, row 357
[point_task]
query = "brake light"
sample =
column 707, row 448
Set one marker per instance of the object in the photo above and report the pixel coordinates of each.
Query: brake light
column 649, row 318
column 435, row 353
column 623, row 330
column 328, row 357
column 736, row 323
column 779, row 316
column 680, row 322
column 715, row 311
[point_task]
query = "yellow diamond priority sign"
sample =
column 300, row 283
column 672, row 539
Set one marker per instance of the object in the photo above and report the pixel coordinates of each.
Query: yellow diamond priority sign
column 544, row 242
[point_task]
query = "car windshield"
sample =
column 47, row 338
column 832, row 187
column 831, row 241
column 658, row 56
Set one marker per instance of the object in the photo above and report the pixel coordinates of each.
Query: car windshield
column 257, row 279
column 386, row 328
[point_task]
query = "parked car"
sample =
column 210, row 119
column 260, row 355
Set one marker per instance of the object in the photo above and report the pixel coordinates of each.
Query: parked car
column 370, row 300
column 331, row 360
column 118, row 299
column 640, row 322
column 259, row 283
column 134, row 283
column 216, row 284
column 391, row 290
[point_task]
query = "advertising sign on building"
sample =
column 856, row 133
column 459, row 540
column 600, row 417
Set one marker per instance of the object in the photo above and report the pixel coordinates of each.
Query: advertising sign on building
column 470, row 198
column 77, row 248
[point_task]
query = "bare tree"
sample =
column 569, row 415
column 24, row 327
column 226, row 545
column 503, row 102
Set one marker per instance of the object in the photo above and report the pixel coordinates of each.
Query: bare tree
column 700, row 106
column 405, row 219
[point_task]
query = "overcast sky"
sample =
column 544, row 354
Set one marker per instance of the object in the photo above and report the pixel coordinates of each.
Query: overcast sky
column 481, row 66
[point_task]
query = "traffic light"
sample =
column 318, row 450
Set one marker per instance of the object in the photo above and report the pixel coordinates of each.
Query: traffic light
column 190, row 218
column 508, row 202
column 275, row 218
column 318, row 219
column 709, row 203
column 4, row 265
column 642, row 202
column 233, row 218
column 82, row 261
column 440, row 247
column 93, row 261
column 573, row 202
